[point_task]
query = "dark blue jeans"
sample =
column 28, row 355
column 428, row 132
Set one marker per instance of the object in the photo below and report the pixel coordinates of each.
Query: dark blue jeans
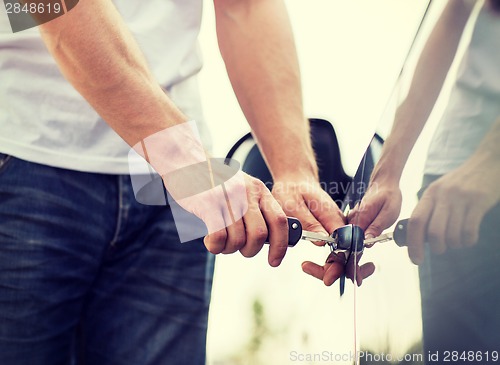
column 90, row 276
column 460, row 292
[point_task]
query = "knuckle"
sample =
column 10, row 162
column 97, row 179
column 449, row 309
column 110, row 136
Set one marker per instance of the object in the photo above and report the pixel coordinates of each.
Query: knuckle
column 469, row 235
column 228, row 251
column 483, row 200
column 369, row 205
column 218, row 238
column 281, row 219
column 260, row 234
column 453, row 190
column 312, row 226
column 432, row 189
column 214, row 247
column 376, row 227
column 253, row 208
column 251, row 248
column 416, row 221
column 237, row 243
column 256, row 184
column 248, row 254
column 433, row 235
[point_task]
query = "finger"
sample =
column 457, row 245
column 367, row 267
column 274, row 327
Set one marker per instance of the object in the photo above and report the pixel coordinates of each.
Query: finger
column 436, row 229
column 324, row 210
column 365, row 212
column 238, row 195
column 353, row 215
column 456, row 221
column 386, row 213
column 384, row 219
column 472, row 225
column 236, row 237
column 256, row 232
column 365, row 271
column 235, row 230
column 277, row 226
column 334, row 267
column 352, row 265
column 215, row 242
column 417, row 226
column 309, row 222
column 313, row 269
column 359, row 276
column 332, row 273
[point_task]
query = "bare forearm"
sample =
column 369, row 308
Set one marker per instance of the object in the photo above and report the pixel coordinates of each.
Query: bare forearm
column 98, row 55
column 257, row 45
column 430, row 74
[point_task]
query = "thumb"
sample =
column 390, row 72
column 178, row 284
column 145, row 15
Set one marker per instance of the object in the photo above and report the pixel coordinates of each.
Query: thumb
column 382, row 221
column 366, row 214
column 325, row 210
column 375, row 215
column 375, row 229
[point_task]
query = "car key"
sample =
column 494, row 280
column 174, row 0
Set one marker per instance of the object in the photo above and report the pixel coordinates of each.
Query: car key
column 398, row 236
column 343, row 239
column 295, row 234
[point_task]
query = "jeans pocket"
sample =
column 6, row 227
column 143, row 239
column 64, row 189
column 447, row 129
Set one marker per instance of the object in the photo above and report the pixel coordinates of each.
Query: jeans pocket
column 4, row 161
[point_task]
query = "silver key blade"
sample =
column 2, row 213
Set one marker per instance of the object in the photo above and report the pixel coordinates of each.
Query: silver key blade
column 382, row 238
column 313, row 236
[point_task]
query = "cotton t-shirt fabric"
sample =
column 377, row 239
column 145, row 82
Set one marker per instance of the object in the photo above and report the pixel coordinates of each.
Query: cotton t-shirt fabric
column 474, row 103
column 44, row 119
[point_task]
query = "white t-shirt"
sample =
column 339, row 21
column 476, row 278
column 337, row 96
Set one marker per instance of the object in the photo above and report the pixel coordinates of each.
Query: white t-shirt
column 44, row 119
column 474, row 103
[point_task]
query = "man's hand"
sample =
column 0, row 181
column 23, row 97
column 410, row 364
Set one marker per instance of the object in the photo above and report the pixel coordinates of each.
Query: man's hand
column 263, row 217
column 452, row 208
column 238, row 210
column 305, row 200
column 336, row 264
column 379, row 208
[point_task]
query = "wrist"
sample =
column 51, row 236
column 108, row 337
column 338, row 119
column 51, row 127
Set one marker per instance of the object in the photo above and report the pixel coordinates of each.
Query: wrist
column 386, row 173
column 297, row 167
column 172, row 148
column 306, row 172
column 392, row 162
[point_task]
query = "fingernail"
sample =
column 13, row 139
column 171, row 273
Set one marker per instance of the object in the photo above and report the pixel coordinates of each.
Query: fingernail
column 417, row 260
column 275, row 262
column 369, row 236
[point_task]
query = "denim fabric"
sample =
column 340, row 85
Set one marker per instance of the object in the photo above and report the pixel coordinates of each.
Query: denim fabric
column 90, row 276
column 460, row 292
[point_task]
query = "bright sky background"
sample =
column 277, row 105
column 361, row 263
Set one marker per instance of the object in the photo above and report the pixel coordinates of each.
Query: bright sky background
column 350, row 53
